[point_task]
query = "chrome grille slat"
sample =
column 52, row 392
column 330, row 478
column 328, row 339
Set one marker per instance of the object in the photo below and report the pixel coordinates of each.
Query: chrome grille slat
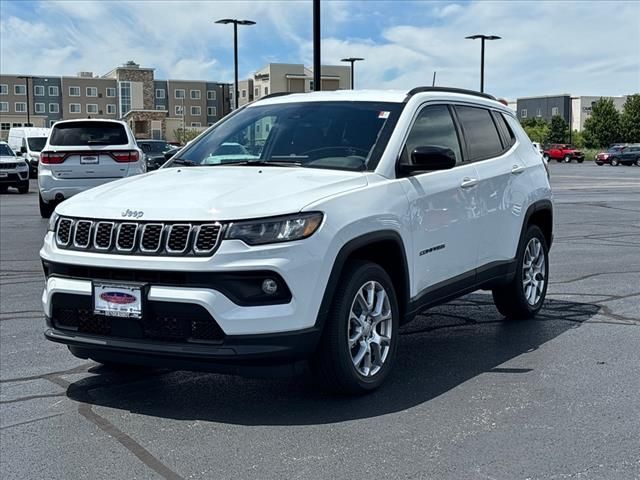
column 142, row 238
column 82, row 233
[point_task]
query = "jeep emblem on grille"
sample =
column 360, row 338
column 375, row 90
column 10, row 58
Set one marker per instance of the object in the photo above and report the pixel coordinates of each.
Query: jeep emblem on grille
column 132, row 213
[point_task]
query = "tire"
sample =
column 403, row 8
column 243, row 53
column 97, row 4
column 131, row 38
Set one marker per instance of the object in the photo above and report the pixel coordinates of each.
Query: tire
column 567, row 159
column 345, row 369
column 46, row 209
column 511, row 299
column 580, row 160
column 599, row 164
column 559, row 160
column 24, row 188
column 614, row 162
column 637, row 162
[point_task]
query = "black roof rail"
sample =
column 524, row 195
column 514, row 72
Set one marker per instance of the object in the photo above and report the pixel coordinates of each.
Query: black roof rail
column 413, row 91
column 273, row 95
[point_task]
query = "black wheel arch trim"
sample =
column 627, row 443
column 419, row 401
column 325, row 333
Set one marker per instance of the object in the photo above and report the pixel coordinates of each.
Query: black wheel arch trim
column 343, row 257
column 539, row 205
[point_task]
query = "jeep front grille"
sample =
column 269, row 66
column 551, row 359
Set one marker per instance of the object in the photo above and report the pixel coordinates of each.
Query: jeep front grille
column 138, row 238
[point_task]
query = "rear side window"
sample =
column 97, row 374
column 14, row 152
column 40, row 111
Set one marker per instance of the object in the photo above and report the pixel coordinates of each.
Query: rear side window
column 433, row 127
column 483, row 140
column 88, row 133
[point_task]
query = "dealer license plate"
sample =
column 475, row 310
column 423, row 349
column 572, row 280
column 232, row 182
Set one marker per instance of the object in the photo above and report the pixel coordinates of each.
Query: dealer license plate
column 117, row 300
column 88, row 159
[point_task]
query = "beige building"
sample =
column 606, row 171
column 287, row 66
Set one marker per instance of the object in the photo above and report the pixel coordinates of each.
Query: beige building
column 581, row 108
column 89, row 96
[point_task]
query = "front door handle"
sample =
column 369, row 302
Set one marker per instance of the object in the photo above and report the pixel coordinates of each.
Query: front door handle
column 468, row 182
column 517, row 169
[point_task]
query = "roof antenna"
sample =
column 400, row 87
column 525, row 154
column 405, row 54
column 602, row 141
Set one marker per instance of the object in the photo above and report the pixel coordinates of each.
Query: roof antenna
column 433, row 83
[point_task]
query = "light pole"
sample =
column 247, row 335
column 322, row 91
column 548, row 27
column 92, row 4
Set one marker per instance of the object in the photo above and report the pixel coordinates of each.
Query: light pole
column 235, row 22
column 317, row 79
column 352, row 60
column 482, row 38
column 26, row 80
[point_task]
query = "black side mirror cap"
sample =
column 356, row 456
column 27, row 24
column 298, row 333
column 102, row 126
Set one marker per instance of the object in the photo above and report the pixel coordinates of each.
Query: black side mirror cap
column 23, row 149
column 430, row 158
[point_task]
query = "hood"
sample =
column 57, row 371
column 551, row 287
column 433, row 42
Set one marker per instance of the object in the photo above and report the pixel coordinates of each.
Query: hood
column 10, row 159
column 212, row 193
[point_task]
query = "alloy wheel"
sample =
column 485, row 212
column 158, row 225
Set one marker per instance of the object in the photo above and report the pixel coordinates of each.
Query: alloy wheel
column 534, row 271
column 370, row 328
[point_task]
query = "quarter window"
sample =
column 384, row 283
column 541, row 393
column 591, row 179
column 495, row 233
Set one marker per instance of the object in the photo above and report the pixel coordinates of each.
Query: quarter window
column 509, row 138
column 433, row 127
column 482, row 138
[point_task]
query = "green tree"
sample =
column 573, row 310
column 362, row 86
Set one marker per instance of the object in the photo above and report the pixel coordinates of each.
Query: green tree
column 577, row 139
column 558, row 130
column 536, row 128
column 630, row 119
column 184, row 135
column 602, row 128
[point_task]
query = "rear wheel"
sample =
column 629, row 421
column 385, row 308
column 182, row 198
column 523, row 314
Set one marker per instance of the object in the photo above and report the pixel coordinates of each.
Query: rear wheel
column 524, row 295
column 599, row 164
column 614, row 162
column 358, row 347
column 46, row 209
column 567, row 159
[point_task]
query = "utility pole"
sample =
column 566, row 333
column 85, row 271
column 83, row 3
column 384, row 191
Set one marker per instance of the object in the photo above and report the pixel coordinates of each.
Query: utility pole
column 317, row 82
column 26, row 81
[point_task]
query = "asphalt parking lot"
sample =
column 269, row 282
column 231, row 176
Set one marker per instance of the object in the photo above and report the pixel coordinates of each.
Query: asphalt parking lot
column 472, row 396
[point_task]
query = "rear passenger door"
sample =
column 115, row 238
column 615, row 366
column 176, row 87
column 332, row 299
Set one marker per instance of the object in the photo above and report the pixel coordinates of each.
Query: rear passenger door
column 443, row 206
column 491, row 147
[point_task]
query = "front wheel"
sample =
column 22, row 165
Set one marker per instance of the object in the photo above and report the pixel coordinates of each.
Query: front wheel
column 358, row 346
column 524, row 295
column 580, row 160
column 614, row 162
column 46, row 209
column 567, row 159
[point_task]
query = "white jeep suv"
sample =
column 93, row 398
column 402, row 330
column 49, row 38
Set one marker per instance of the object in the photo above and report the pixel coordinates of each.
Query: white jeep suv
column 85, row 153
column 351, row 213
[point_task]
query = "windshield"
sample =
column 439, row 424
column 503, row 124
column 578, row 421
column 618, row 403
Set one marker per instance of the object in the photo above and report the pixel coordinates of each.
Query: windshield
column 155, row 147
column 36, row 144
column 88, row 133
column 334, row 135
column 615, row 149
column 5, row 151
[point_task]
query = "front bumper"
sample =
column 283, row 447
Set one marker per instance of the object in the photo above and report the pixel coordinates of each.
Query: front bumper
column 14, row 177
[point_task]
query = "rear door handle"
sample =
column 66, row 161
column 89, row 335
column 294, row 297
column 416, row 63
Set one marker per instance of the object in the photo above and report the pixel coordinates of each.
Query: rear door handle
column 468, row 182
column 517, row 169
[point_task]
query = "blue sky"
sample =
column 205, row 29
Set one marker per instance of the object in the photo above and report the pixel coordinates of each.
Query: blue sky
column 548, row 47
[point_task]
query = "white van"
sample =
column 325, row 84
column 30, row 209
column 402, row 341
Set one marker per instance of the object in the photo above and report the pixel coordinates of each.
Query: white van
column 28, row 142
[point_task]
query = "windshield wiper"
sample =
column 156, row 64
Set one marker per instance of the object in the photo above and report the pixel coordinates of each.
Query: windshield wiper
column 182, row 161
column 258, row 163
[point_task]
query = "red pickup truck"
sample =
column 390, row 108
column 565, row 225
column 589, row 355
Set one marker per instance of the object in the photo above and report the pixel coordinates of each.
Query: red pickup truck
column 562, row 152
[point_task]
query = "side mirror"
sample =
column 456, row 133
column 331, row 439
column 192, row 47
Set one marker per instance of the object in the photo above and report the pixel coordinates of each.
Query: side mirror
column 429, row 158
column 23, row 149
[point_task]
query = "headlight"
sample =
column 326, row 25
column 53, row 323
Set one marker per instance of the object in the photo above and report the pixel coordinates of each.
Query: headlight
column 23, row 165
column 52, row 221
column 277, row 229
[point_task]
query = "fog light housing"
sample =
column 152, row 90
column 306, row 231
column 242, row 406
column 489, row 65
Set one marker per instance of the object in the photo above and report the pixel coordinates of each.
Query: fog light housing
column 269, row 286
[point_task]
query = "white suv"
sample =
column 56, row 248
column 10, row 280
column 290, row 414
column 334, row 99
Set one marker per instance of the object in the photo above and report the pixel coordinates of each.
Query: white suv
column 81, row 154
column 351, row 213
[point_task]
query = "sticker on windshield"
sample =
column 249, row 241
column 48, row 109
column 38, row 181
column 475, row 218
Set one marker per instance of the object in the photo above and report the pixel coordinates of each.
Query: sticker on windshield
column 383, row 115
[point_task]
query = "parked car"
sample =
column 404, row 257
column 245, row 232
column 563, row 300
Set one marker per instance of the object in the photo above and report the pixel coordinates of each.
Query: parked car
column 28, row 142
column 82, row 154
column 563, row 152
column 14, row 170
column 228, row 152
column 362, row 209
column 155, row 152
column 620, row 154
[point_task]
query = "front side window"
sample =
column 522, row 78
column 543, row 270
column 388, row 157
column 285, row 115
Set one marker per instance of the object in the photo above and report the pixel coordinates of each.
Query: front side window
column 5, row 150
column 483, row 140
column 36, row 144
column 332, row 135
column 88, row 133
column 433, row 127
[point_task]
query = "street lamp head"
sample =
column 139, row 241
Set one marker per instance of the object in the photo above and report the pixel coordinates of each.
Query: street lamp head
column 236, row 21
column 246, row 22
column 485, row 37
column 351, row 59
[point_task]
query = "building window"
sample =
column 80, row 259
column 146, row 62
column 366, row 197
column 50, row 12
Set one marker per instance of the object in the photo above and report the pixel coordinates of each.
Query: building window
column 111, row 92
column 5, row 126
column 111, row 109
column 4, row 89
column 160, row 107
column 195, row 94
column 523, row 113
column 256, row 92
column 38, row 90
column 196, row 111
column 20, row 89
column 160, row 92
column 266, row 90
column 555, row 111
column 539, row 113
column 178, row 93
column 92, row 91
column 54, row 108
column 311, row 85
column 53, row 91
column 21, row 107
column 14, row 124
column 39, row 107
column 212, row 111
column 74, row 91
column 51, row 122
column 4, row 106
column 211, row 94
column 92, row 108
column 125, row 98
column 196, row 124
column 243, row 94
column 75, row 108
column 178, row 110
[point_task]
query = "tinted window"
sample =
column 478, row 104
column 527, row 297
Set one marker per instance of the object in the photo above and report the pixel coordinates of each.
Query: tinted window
column 154, row 147
column 36, row 144
column 507, row 134
column 480, row 133
column 88, row 133
column 334, row 135
column 433, row 127
column 5, row 151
